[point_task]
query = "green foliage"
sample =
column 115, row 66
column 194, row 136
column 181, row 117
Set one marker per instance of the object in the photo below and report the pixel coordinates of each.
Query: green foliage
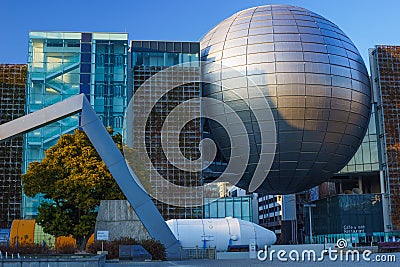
column 73, row 178
column 155, row 248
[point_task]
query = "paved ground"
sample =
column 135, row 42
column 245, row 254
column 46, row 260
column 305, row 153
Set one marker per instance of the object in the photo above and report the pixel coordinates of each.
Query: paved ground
column 248, row 262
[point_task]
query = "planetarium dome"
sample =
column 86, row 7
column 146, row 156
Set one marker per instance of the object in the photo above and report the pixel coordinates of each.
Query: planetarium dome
column 314, row 80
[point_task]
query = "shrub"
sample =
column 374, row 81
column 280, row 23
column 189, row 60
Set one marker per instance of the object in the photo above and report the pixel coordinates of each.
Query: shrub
column 66, row 249
column 155, row 248
column 111, row 246
column 26, row 249
column 37, row 249
column 64, row 246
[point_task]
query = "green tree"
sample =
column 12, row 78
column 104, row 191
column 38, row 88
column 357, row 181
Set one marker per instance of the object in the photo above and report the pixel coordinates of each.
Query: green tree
column 73, row 179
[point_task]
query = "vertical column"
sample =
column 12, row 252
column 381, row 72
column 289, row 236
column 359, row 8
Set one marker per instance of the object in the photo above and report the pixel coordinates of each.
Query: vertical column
column 85, row 69
column 289, row 222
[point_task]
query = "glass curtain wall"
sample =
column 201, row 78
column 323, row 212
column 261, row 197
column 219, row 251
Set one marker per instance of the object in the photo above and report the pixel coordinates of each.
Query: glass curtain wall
column 149, row 58
column 366, row 158
column 236, row 207
column 64, row 64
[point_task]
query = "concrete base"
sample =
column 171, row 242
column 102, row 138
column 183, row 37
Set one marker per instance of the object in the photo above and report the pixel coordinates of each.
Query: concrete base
column 118, row 217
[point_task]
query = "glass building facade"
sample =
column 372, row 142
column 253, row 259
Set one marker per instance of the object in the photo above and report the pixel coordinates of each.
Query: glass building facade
column 12, row 104
column 63, row 64
column 236, row 207
column 284, row 215
column 269, row 212
column 149, row 58
column 362, row 174
column 366, row 159
column 356, row 217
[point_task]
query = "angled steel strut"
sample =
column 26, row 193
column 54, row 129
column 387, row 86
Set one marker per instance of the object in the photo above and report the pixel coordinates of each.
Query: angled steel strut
column 108, row 151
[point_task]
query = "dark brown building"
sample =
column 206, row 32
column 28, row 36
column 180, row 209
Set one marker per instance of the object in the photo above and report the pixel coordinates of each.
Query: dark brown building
column 386, row 79
column 12, row 103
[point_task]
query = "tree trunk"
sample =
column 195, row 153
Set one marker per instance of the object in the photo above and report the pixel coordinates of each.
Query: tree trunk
column 81, row 242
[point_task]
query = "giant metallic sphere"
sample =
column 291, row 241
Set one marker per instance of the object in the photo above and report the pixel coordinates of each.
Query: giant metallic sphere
column 314, row 80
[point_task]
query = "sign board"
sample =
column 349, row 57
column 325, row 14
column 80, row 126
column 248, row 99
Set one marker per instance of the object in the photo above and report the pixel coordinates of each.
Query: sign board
column 4, row 235
column 252, row 249
column 102, row 235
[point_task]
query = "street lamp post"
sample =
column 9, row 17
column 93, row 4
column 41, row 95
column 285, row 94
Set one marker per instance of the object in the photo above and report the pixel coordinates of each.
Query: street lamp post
column 310, row 206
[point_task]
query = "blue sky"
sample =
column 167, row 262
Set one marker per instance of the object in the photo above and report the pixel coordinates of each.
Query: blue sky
column 366, row 22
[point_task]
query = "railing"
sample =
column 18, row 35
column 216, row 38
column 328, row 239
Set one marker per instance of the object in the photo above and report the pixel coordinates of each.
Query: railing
column 389, row 246
column 65, row 67
column 53, row 260
column 201, row 253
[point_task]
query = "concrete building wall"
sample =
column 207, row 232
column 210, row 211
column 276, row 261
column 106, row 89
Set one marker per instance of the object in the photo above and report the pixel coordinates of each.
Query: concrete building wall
column 119, row 218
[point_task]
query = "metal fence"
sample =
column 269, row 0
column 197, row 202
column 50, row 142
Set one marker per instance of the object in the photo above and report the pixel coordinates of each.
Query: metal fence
column 201, row 253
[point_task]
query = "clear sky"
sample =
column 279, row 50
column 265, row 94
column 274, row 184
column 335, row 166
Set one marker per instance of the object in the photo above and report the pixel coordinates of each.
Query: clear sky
column 366, row 22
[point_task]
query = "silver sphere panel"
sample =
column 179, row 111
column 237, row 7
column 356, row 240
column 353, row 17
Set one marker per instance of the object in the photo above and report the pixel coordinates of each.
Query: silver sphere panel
column 314, row 80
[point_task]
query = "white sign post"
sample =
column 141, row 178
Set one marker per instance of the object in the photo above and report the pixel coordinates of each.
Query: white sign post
column 103, row 236
column 252, row 249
